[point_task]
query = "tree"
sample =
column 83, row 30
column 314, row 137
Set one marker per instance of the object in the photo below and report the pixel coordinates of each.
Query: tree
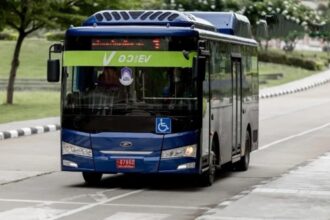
column 28, row 16
column 202, row 5
column 287, row 20
column 24, row 16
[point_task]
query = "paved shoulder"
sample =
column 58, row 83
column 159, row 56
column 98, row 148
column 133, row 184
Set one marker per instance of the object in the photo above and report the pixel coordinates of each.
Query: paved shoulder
column 303, row 193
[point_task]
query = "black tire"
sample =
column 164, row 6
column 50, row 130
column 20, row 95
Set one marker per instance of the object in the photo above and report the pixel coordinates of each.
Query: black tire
column 92, row 178
column 207, row 178
column 244, row 162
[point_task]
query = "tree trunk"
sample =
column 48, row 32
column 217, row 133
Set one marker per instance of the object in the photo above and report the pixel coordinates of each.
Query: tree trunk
column 267, row 45
column 13, row 69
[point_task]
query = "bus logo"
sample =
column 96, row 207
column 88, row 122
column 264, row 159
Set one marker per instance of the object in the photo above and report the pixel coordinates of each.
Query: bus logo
column 126, row 144
column 163, row 125
column 126, row 77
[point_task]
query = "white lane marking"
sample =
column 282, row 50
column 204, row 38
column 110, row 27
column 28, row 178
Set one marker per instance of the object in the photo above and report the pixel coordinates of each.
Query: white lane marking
column 89, row 206
column 159, row 206
column 137, row 216
column 44, row 201
column 293, row 191
column 68, row 200
column 29, row 213
column 227, row 218
column 294, row 136
column 97, row 196
column 65, row 202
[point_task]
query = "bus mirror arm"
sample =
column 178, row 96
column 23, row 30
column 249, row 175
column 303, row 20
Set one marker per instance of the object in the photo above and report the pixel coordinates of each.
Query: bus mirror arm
column 53, row 66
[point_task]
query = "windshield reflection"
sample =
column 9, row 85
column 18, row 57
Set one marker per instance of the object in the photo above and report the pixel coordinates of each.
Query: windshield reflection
column 130, row 91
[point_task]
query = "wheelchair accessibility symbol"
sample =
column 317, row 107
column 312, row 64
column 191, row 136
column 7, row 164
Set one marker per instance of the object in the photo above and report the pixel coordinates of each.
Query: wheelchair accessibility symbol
column 163, row 125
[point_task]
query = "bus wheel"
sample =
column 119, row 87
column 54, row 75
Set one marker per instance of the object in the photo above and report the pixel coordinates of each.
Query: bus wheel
column 92, row 178
column 207, row 178
column 244, row 162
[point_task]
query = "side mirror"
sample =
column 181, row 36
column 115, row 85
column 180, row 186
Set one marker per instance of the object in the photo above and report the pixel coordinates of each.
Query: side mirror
column 53, row 66
column 53, row 70
column 199, row 65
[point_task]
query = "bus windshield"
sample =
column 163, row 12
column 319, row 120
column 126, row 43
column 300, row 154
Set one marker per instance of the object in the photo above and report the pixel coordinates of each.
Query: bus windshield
column 131, row 91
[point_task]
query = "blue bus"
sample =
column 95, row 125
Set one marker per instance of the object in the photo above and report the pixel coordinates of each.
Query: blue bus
column 157, row 92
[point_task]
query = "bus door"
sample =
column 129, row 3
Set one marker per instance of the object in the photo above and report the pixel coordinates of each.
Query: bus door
column 237, row 105
column 206, row 109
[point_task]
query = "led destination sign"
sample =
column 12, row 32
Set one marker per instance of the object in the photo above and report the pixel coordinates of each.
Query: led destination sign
column 129, row 44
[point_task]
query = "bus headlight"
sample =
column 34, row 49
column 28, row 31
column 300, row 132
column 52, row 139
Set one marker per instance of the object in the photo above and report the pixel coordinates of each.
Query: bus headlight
column 186, row 151
column 75, row 150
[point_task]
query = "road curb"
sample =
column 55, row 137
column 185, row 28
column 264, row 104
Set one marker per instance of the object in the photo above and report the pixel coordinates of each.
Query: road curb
column 308, row 86
column 15, row 133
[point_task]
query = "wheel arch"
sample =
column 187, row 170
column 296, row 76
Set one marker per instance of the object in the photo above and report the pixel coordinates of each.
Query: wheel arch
column 216, row 140
column 248, row 129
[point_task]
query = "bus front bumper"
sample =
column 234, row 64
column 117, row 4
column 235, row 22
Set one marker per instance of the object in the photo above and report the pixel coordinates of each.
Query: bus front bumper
column 129, row 164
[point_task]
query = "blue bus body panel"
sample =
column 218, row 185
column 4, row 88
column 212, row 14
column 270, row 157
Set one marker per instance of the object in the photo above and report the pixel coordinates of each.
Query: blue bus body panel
column 84, row 163
column 77, row 138
column 178, row 140
column 109, row 146
column 146, row 148
column 80, row 139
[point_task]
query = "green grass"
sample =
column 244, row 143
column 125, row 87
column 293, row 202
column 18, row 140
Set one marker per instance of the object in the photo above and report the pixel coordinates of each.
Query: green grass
column 290, row 73
column 33, row 58
column 30, row 105
column 304, row 53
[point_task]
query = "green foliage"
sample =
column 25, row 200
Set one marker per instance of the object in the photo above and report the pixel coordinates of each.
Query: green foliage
column 55, row 36
column 302, row 62
column 287, row 20
column 8, row 36
column 291, row 10
column 202, row 5
column 289, row 73
column 74, row 12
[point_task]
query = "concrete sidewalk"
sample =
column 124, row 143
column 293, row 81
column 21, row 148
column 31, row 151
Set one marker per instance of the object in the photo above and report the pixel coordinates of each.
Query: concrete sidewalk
column 303, row 193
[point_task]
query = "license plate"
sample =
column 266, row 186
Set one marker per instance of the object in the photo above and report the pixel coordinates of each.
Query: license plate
column 125, row 163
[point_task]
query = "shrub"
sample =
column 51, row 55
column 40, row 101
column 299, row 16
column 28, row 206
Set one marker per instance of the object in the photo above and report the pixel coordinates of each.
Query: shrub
column 305, row 63
column 8, row 36
column 55, row 36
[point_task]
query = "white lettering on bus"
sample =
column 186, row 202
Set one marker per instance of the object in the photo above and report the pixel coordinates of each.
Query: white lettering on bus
column 122, row 58
column 107, row 59
column 134, row 59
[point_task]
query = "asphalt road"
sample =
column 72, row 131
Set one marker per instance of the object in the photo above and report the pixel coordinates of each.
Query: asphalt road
column 294, row 129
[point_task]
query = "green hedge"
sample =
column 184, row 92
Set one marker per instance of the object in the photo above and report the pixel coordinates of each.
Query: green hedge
column 305, row 63
column 55, row 36
column 8, row 36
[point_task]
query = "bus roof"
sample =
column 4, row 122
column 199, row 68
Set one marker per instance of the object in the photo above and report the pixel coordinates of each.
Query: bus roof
column 156, row 17
column 222, row 22
column 226, row 25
